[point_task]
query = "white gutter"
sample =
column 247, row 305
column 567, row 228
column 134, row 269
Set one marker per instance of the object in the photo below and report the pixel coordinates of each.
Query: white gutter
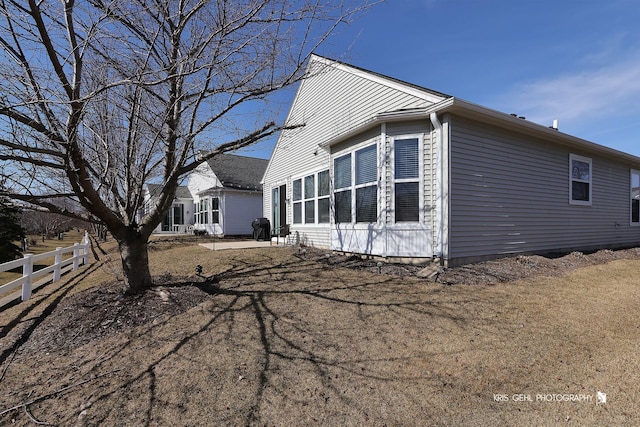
column 439, row 190
column 487, row 115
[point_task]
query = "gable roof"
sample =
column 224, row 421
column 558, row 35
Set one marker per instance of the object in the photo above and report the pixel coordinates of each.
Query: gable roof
column 238, row 172
column 451, row 104
column 390, row 81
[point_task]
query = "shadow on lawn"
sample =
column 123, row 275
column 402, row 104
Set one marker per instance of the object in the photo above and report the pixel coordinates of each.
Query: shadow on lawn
column 292, row 315
column 289, row 339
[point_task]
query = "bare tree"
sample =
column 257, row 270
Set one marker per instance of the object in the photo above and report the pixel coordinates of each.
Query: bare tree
column 101, row 96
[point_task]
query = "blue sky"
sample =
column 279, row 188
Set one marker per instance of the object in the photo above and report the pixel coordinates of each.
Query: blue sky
column 577, row 61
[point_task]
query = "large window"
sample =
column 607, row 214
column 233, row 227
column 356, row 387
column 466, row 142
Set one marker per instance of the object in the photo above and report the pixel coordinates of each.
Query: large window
column 580, row 176
column 406, row 177
column 342, row 185
column 366, row 165
column 635, row 197
column 202, row 211
column 323, row 197
column 311, row 199
column 297, row 201
column 215, row 210
column 205, row 211
column 356, row 181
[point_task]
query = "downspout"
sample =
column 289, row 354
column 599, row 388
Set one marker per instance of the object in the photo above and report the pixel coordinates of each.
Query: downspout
column 382, row 194
column 440, row 214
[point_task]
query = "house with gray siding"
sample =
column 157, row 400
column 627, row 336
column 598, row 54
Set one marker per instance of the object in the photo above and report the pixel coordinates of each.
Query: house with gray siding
column 222, row 196
column 381, row 167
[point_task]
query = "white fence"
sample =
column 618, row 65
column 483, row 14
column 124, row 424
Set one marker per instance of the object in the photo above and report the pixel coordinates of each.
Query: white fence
column 51, row 273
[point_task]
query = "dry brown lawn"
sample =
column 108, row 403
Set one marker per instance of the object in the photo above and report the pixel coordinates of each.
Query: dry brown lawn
column 275, row 338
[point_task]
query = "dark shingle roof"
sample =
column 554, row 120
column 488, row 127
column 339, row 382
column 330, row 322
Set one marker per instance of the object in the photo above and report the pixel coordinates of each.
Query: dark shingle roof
column 182, row 191
column 239, row 172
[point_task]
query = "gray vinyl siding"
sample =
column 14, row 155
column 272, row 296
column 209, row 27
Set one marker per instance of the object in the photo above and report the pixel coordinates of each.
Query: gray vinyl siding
column 510, row 194
column 240, row 209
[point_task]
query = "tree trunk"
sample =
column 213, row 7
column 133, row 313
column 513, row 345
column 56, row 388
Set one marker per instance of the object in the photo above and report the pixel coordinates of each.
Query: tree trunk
column 135, row 262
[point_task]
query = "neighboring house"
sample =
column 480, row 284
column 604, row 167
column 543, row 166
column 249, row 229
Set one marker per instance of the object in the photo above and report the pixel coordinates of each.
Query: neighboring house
column 179, row 218
column 222, row 197
column 387, row 168
column 227, row 194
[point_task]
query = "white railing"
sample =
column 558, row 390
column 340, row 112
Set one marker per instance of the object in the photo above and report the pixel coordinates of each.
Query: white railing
column 80, row 255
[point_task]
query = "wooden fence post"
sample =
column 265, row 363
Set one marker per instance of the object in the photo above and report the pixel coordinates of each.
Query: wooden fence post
column 27, row 270
column 57, row 262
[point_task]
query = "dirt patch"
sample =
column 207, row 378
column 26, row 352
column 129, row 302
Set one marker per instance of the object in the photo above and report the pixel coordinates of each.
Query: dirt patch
column 104, row 311
column 501, row 270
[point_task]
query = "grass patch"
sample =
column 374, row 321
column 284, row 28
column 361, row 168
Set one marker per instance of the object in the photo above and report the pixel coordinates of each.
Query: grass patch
column 273, row 338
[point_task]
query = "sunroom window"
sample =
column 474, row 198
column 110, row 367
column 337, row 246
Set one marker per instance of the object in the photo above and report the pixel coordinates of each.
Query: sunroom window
column 356, row 184
column 215, row 210
column 406, row 180
column 297, row 201
column 342, row 185
column 323, row 197
column 366, row 165
column 311, row 198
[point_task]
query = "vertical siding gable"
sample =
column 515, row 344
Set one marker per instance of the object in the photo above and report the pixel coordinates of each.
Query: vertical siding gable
column 510, row 194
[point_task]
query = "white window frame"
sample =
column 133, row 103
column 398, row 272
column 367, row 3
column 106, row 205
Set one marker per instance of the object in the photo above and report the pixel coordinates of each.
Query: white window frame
column 324, row 196
column 353, row 187
column 215, row 211
column 202, row 211
column 304, row 199
column 636, row 173
column 576, row 157
column 420, row 179
column 299, row 201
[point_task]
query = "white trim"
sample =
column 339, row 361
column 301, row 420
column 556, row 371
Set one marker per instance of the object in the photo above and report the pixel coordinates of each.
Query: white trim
column 353, row 187
column 589, row 181
column 315, row 199
column 419, row 179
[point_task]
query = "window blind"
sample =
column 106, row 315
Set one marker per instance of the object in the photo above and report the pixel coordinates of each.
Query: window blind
column 342, row 171
column 407, row 195
column 366, row 165
column 309, row 187
column 297, row 189
column 406, row 162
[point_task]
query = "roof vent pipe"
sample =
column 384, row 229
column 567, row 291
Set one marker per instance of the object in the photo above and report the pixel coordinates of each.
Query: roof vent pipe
column 555, row 124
